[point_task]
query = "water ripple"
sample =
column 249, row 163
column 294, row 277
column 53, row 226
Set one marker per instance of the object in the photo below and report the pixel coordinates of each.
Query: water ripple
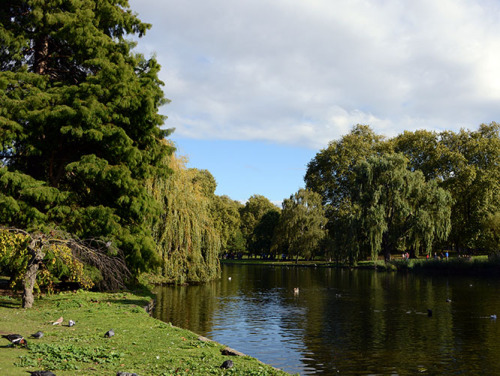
column 347, row 323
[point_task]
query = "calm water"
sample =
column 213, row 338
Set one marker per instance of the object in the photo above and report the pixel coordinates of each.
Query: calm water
column 345, row 322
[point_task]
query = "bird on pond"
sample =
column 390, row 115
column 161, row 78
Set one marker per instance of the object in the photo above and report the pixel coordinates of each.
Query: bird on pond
column 126, row 374
column 429, row 312
column 296, row 290
column 16, row 339
column 227, row 364
column 109, row 333
column 448, row 300
column 41, row 373
column 37, row 335
column 493, row 317
column 71, row 323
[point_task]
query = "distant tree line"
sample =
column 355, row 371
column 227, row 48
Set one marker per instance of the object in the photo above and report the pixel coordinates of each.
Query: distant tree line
column 367, row 196
column 417, row 192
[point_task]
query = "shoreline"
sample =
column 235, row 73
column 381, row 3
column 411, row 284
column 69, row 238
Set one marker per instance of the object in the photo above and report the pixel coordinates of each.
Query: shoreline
column 476, row 266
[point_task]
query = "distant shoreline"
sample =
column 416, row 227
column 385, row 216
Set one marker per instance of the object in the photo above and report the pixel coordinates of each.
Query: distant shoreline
column 476, row 265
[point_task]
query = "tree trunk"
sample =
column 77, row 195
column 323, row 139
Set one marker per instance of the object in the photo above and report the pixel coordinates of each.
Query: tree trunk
column 386, row 247
column 37, row 255
column 41, row 54
column 29, row 284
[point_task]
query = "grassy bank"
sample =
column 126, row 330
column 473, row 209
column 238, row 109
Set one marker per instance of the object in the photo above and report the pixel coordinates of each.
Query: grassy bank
column 141, row 344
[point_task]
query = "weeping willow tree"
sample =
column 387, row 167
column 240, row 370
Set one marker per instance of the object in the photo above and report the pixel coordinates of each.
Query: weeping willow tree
column 187, row 241
column 399, row 210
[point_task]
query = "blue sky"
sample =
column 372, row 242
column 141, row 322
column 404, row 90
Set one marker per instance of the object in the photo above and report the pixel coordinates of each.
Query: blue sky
column 259, row 87
column 244, row 168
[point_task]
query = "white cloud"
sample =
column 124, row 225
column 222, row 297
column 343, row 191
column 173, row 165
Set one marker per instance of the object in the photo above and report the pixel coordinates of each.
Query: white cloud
column 303, row 72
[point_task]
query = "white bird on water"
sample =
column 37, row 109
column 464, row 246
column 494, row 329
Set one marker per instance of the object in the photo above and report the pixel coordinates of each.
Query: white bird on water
column 296, row 290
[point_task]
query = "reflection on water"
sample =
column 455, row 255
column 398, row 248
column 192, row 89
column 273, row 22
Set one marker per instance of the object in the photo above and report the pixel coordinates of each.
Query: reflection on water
column 345, row 322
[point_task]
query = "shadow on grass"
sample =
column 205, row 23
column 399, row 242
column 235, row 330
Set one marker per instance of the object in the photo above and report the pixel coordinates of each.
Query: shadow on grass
column 8, row 297
column 137, row 302
column 141, row 297
column 10, row 303
column 6, row 347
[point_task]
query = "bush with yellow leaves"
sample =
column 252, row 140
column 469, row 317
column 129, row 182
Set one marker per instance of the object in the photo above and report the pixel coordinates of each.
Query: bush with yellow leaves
column 58, row 264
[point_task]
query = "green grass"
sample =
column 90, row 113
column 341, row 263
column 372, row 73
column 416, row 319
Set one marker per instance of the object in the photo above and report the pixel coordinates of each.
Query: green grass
column 141, row 343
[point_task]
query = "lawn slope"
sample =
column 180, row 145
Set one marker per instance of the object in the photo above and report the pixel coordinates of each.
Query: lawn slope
column 141, row 344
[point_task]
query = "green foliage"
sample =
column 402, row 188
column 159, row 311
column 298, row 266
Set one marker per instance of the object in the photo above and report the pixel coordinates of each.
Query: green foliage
column 425, row 153
column 227, row 221
column 465, row 165
column 302, row 224
column 251, row 215
column 398, row 209
column 80, row 129
column 13, row 255
column 26, row 202
column 330, row 172
column 264, row 232
column 187, row 238
column 236, row 243
column 58, row 263
column 66, row 357
column 491, row 233
column 474, row 183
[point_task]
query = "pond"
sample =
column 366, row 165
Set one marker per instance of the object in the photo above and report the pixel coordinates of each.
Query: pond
column 346, row 322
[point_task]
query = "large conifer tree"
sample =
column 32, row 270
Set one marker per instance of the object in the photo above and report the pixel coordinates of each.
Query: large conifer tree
column 79, row 123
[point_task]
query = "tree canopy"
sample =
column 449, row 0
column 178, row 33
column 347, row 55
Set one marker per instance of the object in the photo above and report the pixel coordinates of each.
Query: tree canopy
column 443, row 188
column 330, row 171
column 251, row 215
column 398, row 209
column 80, row 128
column 467, row 164
column 188, row 242
column 302, row 224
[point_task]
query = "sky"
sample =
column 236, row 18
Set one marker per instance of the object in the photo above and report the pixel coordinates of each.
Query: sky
column 257, row 88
